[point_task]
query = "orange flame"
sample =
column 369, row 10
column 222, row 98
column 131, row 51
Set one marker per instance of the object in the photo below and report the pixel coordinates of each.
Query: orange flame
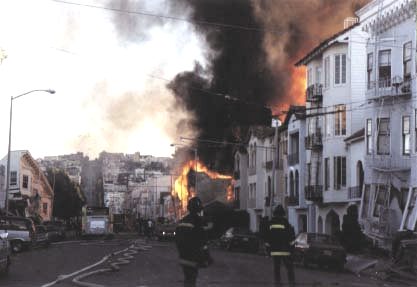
column 180, row 188
column 296, row 94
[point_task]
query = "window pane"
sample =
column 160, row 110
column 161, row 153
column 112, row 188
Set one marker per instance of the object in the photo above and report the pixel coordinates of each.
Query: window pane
column 370, row 63
column 343, row 171
column 369, row 127
column 407, row 51
column 406, row 125
column 337, row 69
column 343, row 68
column 385, row 58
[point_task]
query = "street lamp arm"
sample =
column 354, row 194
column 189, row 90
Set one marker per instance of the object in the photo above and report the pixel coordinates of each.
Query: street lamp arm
column 21, row 95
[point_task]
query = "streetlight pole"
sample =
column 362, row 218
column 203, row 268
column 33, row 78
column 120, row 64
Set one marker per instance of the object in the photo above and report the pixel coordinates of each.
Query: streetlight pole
column 6, row 203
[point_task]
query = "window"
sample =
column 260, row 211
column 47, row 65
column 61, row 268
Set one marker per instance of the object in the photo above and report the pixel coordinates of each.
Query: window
column 13, row 178
column 407, row 61
column 45, row 207
column 340, row 69
column 25, row 183
column 309, row 173
column 327, row 72
column 339, row 165
column 309, row 77
column 406, row 135
column 340, row 120
column 384, row 68
column 326, row 173
column 318, row 75
column 383, row 140
column 328, row 124
column 369, row 67
column 369, row 136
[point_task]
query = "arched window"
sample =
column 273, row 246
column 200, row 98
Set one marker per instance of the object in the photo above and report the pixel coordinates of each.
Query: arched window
column 291, row 184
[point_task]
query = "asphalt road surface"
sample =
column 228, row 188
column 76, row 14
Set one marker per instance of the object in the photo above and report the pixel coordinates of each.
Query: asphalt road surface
column 155, row 264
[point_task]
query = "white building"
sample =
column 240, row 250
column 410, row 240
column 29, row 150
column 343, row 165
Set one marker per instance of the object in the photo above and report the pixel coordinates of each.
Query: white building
column 389, row 200
column 334, row 140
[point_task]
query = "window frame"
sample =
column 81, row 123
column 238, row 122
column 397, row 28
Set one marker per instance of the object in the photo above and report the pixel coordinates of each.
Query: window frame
column 386, row 82
column 407, row 59
column 326, row 72
column 368, row 134
column 406, row 135
column 339, row 172
column 25, row 181
column 340, row 120
column 341, row 74
column 388, row 134
column 13, row 178
column 369, row 70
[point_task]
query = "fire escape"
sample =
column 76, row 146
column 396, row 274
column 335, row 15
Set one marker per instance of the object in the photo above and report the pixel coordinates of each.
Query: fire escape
column 313, row 189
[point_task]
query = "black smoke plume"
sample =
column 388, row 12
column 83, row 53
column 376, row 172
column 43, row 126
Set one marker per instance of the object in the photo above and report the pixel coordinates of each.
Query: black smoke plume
column 232, row 93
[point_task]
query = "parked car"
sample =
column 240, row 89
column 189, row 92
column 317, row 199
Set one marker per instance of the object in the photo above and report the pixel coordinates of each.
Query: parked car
column 237, row 238
column 58, row 227
column 21, row 231
column 41, row 236
column 320, row 249
column 165, row 231
column 54, row 233
column 4, row 253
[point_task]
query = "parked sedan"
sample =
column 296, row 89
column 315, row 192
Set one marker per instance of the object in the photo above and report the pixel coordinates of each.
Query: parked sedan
column 5, row 251
column 320, row 249
column 237, row 238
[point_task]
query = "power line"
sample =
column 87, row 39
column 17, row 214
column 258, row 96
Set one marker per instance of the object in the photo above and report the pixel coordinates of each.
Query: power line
column 168, row 17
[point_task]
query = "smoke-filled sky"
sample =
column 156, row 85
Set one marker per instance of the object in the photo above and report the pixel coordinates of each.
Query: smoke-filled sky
column 129, row 82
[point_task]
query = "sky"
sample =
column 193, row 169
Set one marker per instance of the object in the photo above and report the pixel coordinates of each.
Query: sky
column 109, row 70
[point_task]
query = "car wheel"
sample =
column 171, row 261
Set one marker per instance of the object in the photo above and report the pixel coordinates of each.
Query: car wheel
column 17, row 246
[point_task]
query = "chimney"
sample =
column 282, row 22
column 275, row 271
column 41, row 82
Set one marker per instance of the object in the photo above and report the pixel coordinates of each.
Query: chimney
column 350, row 21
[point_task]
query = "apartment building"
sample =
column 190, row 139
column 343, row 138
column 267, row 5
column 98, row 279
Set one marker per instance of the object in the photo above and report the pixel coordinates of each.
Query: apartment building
column 389, row 200
column 334, row 144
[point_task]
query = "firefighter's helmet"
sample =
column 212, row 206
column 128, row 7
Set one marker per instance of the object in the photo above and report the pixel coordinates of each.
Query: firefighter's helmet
column 195, row 205
column 279, row 211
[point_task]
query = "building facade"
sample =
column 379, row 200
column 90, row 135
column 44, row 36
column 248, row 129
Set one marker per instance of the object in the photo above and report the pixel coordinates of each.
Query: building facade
column 389, row 198
column 30, row 193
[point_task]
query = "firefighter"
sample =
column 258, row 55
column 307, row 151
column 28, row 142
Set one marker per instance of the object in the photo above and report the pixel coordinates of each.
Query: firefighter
column 191, row 241
column 280, row 241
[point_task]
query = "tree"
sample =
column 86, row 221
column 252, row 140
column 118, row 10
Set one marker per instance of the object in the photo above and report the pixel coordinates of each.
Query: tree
column 352, row 237
column 68, row 200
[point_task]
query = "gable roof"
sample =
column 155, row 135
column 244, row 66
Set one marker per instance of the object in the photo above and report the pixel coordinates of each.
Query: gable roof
column 323, row 46
column 298, row 111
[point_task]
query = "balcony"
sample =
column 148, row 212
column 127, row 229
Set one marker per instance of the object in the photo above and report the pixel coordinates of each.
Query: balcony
column 394, row 87
column 314, row 141
column 268, row 165
column 292, row 200
column 293, row 159
column 355, row 193
column 314, row 193
column 236, row 174
column 389, row 162
column 314, row 93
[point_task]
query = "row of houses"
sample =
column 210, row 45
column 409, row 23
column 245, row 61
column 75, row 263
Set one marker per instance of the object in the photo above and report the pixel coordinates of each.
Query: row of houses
column 355, row 140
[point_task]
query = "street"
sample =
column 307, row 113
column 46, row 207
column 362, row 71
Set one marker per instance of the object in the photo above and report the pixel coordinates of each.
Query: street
column 155, row 264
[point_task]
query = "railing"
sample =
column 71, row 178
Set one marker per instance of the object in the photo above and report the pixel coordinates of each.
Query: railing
column 314, row 141
column 390, row 87
column 268, row 165
column 314, row 93
column 236, row 174
column 293, row 159
column 293, row 200
column 389, row 162
column 314, row 192
column 355, row 192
